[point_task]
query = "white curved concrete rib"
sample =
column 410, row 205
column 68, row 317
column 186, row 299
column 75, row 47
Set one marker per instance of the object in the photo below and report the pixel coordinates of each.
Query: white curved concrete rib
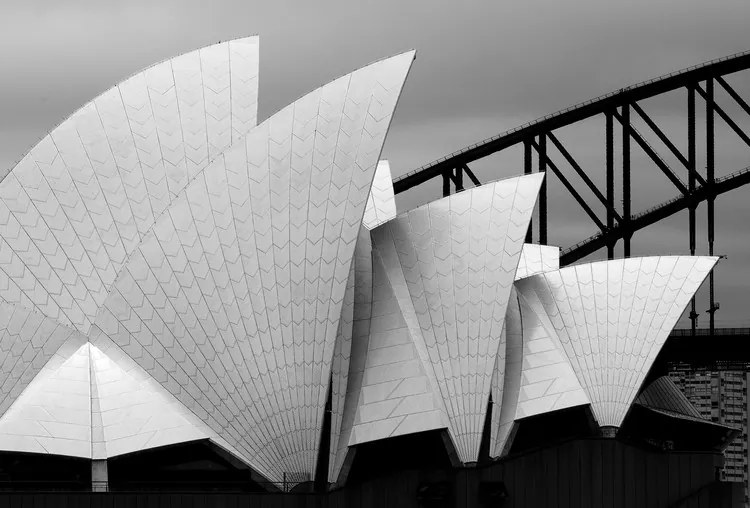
column 233, row 300
column 390, row 392
column 458, row 258
column 537, row 377
column 343, row 347
column 611, row 318
column 506, row 378
column 77, row 205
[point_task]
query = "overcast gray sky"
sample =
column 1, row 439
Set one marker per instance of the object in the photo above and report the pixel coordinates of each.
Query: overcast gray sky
column 482, row 67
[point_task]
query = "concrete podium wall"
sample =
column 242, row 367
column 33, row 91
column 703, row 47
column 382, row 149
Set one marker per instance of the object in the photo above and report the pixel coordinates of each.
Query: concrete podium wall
column 580, row 473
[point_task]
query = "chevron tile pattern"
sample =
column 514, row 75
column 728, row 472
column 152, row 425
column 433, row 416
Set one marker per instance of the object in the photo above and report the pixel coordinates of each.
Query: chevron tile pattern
column 79, row 203
column 53, row 414
column 28, row 341
column 537, row 258
column 234, row 300
column 458, row 258
column 612, row 318
column 381, row 204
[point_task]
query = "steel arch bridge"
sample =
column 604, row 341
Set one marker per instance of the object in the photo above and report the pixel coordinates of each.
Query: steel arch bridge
column 621, row 107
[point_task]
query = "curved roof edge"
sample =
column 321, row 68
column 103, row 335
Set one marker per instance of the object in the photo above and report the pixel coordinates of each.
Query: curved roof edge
column 405, row 213
column 611, row 366
column 558, row 113
column 4, row 171
column 264, row 122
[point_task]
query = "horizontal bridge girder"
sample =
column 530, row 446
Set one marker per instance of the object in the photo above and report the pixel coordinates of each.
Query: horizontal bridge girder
column 600, row 105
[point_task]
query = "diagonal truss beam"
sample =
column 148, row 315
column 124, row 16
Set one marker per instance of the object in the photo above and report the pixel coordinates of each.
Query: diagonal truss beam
column 731, row 123
column 653, row 215
column 579, row 170
column 457, row 177
column 652, row 154
column 471, row 175
column 734, row 95
column 569, row 186
column 667, row 142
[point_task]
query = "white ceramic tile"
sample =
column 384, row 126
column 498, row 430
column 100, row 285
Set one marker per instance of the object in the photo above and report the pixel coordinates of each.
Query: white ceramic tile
column 80, row 201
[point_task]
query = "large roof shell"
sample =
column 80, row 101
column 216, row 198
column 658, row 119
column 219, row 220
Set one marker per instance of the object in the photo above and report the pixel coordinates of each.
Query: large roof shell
column 611, row 318
column 451, row 264
column 234, row 298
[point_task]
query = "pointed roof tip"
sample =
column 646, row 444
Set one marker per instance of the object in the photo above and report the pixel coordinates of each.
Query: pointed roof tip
column 530, row 177
column 336, row 78
column 537, row 178
column 254, row 36
column 411, row 52
column 541, row 175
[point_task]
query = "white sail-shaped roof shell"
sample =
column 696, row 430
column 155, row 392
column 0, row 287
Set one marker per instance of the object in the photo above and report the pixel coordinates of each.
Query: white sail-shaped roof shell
column 611, row 318
column 233, row 300
column 451, row 264
column 78, row 204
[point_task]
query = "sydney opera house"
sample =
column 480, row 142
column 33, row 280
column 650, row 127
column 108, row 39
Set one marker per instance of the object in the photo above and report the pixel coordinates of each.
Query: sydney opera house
column 192, row 300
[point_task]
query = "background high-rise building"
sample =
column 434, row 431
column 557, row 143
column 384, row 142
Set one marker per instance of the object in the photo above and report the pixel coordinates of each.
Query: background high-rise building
column 720, row 393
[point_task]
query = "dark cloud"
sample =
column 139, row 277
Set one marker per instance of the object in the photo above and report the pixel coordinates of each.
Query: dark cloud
column 482, row 67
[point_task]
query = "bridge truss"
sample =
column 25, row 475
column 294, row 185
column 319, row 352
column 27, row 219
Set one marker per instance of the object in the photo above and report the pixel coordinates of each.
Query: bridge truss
column 620, row 108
